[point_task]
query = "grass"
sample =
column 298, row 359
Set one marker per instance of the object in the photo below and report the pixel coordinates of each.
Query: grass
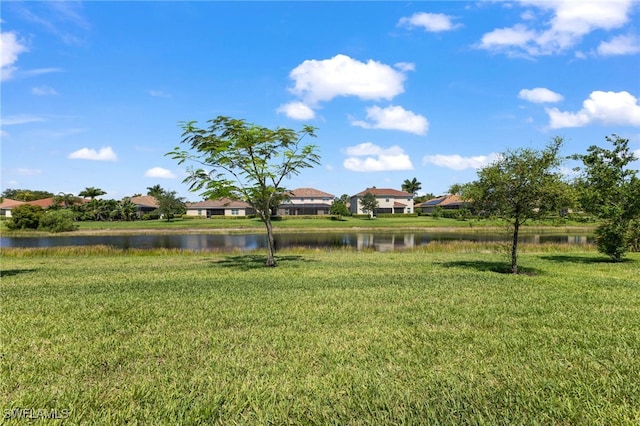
column 307, row 224
column 430, row 336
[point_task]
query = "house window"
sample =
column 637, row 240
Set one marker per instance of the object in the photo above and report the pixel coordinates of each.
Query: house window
column 387, row 200
column 235, row 212
column 199, row 212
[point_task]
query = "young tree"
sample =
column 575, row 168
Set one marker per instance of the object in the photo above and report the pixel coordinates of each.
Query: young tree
column 520, row 185
column 245, row 161
column 610, row 190
column 369, row 204
column 170, row 205
column 412, row 186
column 339, row 206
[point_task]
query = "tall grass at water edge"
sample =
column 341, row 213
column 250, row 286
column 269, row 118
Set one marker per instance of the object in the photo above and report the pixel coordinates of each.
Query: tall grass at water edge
column 427, row 336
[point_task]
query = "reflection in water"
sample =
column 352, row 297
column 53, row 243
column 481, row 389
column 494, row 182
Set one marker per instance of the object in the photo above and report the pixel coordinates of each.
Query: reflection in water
column 379, row 241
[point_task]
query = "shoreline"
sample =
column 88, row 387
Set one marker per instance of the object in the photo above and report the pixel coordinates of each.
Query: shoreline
column 259, row 230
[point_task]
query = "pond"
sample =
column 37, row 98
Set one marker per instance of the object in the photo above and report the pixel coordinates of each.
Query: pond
column 379, row 241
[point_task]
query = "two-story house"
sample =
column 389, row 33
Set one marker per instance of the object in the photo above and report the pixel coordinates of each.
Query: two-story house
column 390, row 201
column 306, row 201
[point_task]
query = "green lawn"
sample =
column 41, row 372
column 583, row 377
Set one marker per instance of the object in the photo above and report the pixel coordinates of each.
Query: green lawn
column 432, row 336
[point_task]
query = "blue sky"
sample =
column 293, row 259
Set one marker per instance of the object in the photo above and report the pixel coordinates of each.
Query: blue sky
column 92, row 92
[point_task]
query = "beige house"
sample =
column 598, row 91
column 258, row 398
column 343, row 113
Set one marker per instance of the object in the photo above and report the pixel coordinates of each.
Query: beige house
column 219, row 207
column 306, row 201
column 145, row 204
column 390, row 201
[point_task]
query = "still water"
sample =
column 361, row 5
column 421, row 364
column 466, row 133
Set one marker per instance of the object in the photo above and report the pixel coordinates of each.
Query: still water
column 379, row 241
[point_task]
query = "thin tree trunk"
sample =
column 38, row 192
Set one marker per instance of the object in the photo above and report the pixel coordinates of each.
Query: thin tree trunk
column 514, row 247
column 271, row 261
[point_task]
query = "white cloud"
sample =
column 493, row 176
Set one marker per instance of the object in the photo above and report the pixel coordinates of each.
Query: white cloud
column 43, row 91
column 159, row 94
column 457, row 162
column 540, row 95
column 104, row 154
column 40, row 71
column 368, row 157
column 12, row 120
column 609, row 108
column 322, row 80
column 297, row 111
column 620, row 45
column 10, row 48
column 159, row 172
column 431, row 22
column 502, row 38
column 405, row 66
column 570, row 21
column 28, row 172
column 394, row 117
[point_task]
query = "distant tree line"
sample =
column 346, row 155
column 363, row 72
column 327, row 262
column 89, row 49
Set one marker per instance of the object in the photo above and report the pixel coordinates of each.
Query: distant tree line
column 67, row 209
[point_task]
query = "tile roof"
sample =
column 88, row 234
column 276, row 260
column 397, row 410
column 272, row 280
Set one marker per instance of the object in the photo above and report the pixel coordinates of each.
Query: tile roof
column 385, row 191
column 309, row 193
column 145, row 201
column 451, row 199
column 445, row 200
column 8, row 203
column 219, row 203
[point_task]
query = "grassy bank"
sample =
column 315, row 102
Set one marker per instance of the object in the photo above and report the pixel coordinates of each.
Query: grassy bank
column 318, row 223
column 434, row 336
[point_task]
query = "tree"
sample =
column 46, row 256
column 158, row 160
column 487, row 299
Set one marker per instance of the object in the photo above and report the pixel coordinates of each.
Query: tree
column 610, row 190
column 412, row 186
column 25, row 216
column 369, row 204
column 65, row 200
column 57, row 221
column 25, row 194
column 128, row 210
column 91, row 192
column 155, row 191
column 245, row 161
column 520, row 185
column 170, row 205
column 339, row 206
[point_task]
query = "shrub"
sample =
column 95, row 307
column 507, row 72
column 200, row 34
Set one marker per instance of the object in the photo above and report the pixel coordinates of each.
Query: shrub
column 57, row 221
column 25, row 216
column 611, row 240
column 633, row 238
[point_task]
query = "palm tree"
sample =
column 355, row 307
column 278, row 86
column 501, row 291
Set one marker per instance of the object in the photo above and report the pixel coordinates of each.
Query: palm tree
column 91, row 192
column 65, row 200
column 128, row 210
column 155, row 191
column 412, row 186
